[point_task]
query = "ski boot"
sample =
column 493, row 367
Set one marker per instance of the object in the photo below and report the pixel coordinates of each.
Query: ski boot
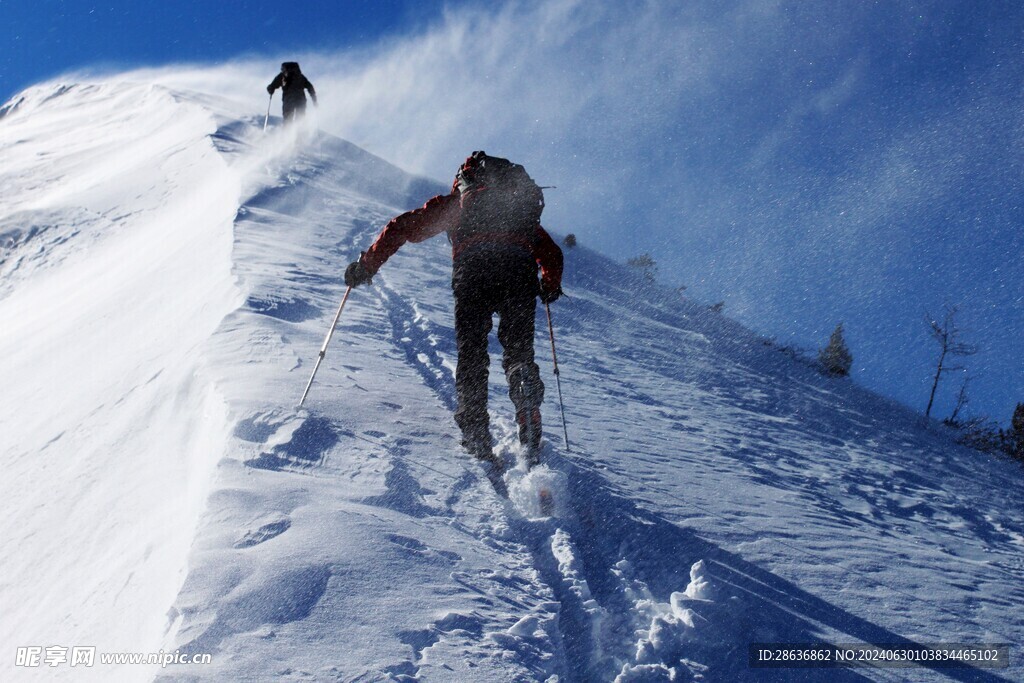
column 528, row 420
column 527, row 394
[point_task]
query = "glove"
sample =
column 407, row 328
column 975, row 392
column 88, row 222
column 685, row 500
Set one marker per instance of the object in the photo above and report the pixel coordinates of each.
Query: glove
column 551, row 297
column 270, row 89
column 315, row 103
column 356, row 274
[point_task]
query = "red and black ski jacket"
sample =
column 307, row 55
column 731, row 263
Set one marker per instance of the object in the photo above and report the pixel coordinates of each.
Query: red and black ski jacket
column 442, row 214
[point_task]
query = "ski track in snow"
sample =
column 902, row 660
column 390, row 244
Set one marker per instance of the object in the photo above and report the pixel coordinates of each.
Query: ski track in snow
column 717, row 492
column 594, row 644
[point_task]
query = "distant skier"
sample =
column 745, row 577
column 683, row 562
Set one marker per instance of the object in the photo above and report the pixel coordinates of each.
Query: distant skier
column 492, row 218
column 293, row 85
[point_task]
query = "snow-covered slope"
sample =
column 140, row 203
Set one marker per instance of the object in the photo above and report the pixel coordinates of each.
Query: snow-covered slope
column 116, row 232
column 168, row 275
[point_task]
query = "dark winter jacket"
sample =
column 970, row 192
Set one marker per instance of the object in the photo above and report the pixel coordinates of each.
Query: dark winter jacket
column 293, row 85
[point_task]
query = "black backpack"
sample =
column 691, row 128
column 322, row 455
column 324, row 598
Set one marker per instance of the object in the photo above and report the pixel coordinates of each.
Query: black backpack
column 290, row 72
column 499, row 200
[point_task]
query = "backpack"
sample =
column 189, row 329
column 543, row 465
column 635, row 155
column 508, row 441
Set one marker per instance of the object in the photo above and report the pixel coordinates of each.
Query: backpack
column 289, row 70
column 499, row 202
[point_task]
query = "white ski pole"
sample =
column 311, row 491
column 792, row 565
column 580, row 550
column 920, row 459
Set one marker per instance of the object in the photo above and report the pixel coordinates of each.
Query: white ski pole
column 323, row 349
column 267, row 119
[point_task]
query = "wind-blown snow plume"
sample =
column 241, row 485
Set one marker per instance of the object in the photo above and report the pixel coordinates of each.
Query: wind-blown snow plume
column 117, row 227
column 769, row 154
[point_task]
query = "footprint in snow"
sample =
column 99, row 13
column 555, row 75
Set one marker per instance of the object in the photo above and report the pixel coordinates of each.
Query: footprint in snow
column 290, row 440
column 264, row 533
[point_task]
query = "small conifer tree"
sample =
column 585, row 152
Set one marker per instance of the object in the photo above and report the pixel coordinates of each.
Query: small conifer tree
column 836, row 359
column 570, row 240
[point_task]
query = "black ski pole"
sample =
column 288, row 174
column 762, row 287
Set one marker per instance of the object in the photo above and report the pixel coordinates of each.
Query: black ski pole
column 558, row 380
column 323, row 349
column 267, row 119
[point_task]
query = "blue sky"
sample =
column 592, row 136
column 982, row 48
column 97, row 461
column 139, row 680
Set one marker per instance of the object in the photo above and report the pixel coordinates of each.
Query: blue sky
column 806, row 163
column 43, row 38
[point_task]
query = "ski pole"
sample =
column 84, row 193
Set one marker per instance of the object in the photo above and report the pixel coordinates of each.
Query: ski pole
column 323, row 349
column 558, row 380
column 319, row 149
column 267, row 119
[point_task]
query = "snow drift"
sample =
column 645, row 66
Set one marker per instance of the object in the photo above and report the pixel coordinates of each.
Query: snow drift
column 168, row 274
column 116, row 262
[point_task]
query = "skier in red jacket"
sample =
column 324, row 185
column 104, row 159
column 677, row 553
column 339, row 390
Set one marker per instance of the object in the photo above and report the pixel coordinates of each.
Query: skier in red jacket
column 492, row 218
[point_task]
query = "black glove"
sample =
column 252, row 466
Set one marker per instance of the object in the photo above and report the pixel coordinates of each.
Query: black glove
column 270, row 89
column 356, row 274
column 550, row 297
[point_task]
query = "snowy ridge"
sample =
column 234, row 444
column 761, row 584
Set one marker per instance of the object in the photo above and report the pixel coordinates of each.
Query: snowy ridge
column 110, row 291
column 537, row 619
column 716, row 493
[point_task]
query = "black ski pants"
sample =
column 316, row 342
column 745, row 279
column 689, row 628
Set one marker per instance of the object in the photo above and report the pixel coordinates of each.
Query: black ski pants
column 294, row 107
column 485, row 284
